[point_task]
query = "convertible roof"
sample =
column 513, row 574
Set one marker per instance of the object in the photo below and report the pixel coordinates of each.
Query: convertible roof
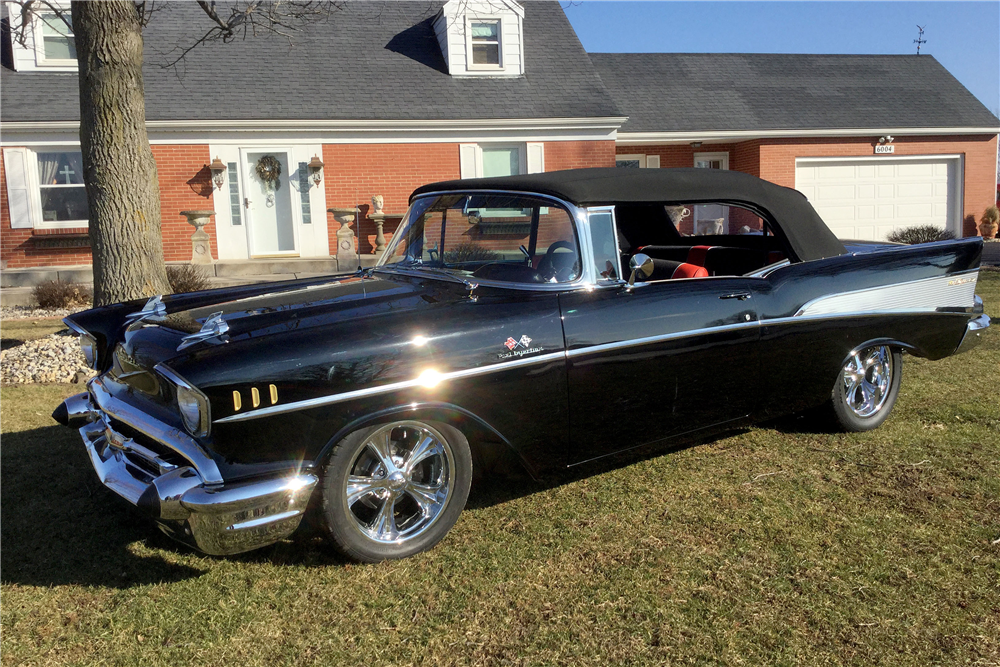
column 805, row 231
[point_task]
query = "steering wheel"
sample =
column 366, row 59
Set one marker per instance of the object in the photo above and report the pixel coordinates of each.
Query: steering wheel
column 547, row 267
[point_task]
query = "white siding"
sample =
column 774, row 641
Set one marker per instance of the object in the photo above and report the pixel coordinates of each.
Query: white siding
column 450, row 29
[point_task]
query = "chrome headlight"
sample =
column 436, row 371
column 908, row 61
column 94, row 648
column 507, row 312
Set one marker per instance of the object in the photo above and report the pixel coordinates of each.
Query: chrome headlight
column 196, row 412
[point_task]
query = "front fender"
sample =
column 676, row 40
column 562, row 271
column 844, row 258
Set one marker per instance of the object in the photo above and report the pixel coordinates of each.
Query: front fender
column 476, row 429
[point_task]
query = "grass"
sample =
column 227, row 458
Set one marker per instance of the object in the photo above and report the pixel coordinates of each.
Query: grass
column 15, row 332
column 770, row 546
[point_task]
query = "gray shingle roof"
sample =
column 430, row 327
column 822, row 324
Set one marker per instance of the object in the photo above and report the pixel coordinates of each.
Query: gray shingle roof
column 677, row 92
column 369, row 61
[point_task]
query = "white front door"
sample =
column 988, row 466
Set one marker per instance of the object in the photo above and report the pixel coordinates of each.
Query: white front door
column 268, row 204
column 707, row 217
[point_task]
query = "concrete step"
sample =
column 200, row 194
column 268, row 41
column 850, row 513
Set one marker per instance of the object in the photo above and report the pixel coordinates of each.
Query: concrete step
column 43, row 274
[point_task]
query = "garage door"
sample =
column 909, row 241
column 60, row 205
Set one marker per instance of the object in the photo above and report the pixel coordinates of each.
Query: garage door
column 867, row 199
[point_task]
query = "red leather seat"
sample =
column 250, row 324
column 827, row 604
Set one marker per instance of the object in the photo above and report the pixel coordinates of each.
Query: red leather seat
column 698, row 254
column 687, row 270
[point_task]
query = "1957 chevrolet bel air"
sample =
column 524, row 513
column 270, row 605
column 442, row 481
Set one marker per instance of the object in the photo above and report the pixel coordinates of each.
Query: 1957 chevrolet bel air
column 554, row 318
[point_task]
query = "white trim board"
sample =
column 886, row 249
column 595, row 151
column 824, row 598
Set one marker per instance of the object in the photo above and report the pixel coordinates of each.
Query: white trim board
column 723, row 136
column 339, row 132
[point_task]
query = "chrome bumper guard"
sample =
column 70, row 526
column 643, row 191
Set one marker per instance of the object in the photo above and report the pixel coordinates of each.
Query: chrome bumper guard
column 974, row 329
column 211, row 516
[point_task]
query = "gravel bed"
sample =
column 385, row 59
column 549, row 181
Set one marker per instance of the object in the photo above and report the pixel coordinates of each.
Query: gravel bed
column 33, row 312
column 55, row 358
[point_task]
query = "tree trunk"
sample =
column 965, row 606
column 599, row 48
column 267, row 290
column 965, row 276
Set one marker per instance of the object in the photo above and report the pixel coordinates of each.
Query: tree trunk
column 118, row 166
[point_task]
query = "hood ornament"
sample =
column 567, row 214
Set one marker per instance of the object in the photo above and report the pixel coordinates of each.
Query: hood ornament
column 214, row 327
column 153, row 308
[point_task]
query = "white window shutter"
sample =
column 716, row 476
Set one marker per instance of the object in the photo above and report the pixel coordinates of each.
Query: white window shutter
column 15, row 162
column 536, row 158
column 470, row 160
column 652, row 162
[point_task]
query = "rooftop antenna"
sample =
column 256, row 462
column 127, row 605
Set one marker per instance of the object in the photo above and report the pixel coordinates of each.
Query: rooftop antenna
column 920, row 38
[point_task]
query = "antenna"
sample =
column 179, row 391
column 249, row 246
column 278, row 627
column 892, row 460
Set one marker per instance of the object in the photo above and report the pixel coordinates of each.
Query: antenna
column 920, row 38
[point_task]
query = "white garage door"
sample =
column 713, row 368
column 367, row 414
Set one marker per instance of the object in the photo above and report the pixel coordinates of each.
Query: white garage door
column 867, row 199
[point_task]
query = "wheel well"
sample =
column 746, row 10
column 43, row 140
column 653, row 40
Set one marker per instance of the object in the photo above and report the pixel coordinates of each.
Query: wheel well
column 491, row 451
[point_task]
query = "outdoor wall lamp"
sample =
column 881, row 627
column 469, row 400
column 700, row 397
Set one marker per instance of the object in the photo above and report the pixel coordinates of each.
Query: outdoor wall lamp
column 887, row 139
column 315, row 167
column 695, row 144
column 218, row 169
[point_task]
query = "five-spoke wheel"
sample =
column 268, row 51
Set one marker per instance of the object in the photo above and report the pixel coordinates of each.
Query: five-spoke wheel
column 867, row 387
column 396, row 489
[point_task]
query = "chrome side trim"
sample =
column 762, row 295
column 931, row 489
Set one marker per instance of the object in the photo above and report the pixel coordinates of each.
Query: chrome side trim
column 635, row 342
column 168, row 436
column 924, row 295
column 803, row 319
column 389, row 388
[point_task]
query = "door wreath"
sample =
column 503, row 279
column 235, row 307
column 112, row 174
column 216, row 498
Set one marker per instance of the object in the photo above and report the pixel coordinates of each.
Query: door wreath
column 268, row 170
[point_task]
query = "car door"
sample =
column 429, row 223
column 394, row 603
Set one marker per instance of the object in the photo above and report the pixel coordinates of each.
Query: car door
column 658, row 360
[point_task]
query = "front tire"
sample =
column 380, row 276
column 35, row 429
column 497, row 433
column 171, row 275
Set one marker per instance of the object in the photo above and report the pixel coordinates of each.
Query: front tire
column 394, row 490
column 866, row 388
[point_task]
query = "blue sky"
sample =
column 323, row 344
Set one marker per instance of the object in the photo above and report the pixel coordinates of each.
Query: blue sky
column 963, row 36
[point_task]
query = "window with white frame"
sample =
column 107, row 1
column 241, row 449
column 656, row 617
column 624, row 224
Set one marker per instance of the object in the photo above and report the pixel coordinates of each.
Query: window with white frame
column 501, row 159
column 637, row 161
column 45, row 187
column 55, row 44
column 61, row 190
column 484, row 42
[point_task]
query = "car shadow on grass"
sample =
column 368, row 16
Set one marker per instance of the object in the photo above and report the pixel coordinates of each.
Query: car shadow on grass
column 497, row 489
column 61, row 526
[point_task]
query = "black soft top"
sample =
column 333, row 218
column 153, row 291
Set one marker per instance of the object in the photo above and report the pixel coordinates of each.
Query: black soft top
column 797, row 220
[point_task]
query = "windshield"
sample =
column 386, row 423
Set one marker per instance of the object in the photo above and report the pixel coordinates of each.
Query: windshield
column 506, row 237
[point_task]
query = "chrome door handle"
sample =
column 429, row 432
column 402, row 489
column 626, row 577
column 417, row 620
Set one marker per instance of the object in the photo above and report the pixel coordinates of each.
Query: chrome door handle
column 742, row 296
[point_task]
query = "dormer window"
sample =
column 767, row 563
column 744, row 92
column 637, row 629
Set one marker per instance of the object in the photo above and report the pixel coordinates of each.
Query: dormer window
column 485, row 42
column 49, row 44
column 55, row 43
column 482, row 38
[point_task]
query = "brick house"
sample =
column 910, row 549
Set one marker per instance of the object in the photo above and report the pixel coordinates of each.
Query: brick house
column 389, row 96
column 875, row 142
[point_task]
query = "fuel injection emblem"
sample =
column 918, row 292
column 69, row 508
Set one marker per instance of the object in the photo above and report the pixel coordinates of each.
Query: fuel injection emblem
column 518, row 348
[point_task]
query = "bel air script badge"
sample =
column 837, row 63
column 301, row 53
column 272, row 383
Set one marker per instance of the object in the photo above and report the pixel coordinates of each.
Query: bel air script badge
column 518, row 348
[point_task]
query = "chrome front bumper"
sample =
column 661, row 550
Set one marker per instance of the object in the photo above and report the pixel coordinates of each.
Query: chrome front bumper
column 165, row 473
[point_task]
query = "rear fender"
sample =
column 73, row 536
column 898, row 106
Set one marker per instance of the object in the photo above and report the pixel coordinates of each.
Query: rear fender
column 483, row 438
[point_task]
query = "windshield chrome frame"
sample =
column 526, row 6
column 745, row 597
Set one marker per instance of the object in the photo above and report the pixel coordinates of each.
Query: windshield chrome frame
column 587, row 278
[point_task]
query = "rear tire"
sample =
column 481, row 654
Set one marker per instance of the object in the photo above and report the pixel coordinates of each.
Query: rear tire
column 866, row 388
column 396, row 489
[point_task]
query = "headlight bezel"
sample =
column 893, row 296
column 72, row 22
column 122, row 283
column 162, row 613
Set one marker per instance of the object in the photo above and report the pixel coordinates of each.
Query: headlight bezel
column 88, row 343
column 198, row 423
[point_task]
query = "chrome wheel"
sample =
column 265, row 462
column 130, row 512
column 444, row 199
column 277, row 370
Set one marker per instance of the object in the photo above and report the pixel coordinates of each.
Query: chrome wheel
column 400, row 480
column 867, row 380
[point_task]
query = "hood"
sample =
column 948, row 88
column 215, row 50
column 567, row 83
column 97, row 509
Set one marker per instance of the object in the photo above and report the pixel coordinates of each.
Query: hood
column 152, row 341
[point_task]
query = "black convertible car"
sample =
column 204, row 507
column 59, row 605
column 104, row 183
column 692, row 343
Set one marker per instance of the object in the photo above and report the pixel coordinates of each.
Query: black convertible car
column 552, row 319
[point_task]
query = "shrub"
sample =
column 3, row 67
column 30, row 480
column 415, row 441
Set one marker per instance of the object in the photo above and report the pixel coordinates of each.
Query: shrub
column 186, row 278
column 920, row 234
column 470, row 252
column 61, row 294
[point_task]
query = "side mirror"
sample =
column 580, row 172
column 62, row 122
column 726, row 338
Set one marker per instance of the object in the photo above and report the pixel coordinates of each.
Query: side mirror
column 641, row 266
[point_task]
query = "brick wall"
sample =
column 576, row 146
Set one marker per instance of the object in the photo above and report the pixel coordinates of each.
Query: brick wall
column 777, row 162
column 355, row 172
column 185, row 184
column 774, row 160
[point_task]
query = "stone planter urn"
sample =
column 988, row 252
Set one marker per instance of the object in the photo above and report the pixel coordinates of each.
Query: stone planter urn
column 989, row 223
column 347, row 257
column 201, row 248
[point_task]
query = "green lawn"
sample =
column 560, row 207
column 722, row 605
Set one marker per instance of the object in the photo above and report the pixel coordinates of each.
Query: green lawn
column 769, row 546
